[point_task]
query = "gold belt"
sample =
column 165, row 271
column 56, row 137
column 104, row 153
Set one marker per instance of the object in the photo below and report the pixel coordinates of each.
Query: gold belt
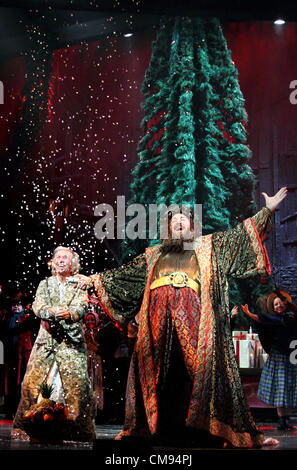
column 176, row 279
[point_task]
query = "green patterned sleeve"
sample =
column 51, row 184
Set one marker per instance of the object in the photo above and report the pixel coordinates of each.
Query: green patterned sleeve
column 240, row 252
column 263, row 222
column 120, row 291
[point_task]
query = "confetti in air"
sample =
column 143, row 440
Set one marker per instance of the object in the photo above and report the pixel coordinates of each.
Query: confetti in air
column 73, row 127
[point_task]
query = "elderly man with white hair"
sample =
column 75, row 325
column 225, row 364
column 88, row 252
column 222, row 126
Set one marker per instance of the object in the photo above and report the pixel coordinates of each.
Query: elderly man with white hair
column 59, row 356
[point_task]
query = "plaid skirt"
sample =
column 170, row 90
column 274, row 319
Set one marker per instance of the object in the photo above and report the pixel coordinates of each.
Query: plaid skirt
column 278, row 382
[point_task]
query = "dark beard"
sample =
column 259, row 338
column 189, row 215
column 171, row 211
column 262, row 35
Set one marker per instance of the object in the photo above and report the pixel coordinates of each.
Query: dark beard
column 175, row 245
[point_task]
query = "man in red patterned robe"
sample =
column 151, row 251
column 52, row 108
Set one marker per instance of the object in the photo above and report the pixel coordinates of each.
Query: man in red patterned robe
column 183, row 376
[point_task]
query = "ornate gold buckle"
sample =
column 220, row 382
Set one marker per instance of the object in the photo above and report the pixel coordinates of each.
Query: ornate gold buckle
column 179, row 279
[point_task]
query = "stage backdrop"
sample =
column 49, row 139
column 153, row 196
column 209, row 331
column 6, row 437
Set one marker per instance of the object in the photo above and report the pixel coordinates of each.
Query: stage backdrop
column 87, row 143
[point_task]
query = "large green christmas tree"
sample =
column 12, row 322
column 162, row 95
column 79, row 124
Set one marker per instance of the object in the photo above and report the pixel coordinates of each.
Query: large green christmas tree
column 194, row 146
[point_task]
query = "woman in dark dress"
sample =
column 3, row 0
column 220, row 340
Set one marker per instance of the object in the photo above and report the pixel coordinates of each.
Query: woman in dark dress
column 277, row 327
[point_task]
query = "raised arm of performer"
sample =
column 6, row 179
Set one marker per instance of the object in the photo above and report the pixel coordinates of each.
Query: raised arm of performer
column 246, row 310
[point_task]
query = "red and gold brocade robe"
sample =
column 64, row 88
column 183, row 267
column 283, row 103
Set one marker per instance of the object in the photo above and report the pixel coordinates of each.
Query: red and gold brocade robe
column 216, row 401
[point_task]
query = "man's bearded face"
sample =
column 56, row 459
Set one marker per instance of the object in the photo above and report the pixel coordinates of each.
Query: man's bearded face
column 180, row 227
column 179, row 232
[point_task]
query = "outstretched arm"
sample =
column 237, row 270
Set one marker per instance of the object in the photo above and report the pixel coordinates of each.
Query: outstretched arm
column 240, row 251
column 120, row 291
column 272, row 202
column 253, row 316
column 263, row 219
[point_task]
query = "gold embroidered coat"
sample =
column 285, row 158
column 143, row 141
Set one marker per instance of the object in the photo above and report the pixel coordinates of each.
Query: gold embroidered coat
column 61, row 342
column 217, row 403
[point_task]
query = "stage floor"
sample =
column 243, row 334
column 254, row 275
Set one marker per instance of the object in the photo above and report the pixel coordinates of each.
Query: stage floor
column 106, row 450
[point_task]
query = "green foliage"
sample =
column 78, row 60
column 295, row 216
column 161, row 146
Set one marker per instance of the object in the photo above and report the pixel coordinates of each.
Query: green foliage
column 46, row 390
column 193, row 148
column 230, row 112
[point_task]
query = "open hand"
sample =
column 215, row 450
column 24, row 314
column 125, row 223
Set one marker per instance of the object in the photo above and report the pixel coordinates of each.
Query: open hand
column 62, row 313
column 84, row 282
column 272, row 202
column 234, row 311
column 245, row 309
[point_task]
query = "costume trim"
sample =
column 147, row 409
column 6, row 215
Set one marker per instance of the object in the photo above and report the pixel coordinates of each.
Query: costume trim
column 258, row 246
column 144, row 347
column 105, row 303
column 237, row 439
column 203, row 250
